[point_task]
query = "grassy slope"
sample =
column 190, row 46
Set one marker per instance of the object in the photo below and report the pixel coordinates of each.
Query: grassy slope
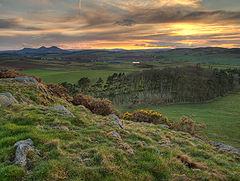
column 88, row 152
column 222, row 117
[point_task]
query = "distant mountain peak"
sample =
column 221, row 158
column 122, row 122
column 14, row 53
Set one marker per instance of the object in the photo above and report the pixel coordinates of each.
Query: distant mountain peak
column 43, row 47
column 42, row 50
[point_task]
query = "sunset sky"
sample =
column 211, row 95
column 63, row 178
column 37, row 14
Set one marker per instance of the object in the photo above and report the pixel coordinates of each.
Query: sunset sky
column 129, row 24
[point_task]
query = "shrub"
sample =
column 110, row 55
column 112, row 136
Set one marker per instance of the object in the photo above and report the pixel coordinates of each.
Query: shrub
column 186, row 124
column 58, row 90
column 147, row 116
column 95, row 105
column 10, row 73
column 85, row 100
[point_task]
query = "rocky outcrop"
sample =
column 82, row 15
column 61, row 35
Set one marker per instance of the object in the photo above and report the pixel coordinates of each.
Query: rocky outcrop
column 117, row 120
column 7, row 99
column 219, row 146
column 22, row 148
column 24, row 79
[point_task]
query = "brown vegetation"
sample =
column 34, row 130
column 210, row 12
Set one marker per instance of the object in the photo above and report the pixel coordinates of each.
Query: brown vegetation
column 191, row 164
column 59, row 91
column 10, row 73
column 95, row 105
column 186, row 124
column 35, row 77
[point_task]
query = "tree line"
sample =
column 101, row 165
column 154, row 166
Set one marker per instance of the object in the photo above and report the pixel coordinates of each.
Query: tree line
column 191, row 84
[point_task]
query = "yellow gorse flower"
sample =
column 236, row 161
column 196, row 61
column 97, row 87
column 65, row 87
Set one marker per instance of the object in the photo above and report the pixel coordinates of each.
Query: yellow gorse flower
column 147, row 116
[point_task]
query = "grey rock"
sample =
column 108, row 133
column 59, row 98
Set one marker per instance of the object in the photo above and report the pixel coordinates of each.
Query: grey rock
column 62, row 110
column 7, row 99
column 144, row 143
column 24, row 79
column 197, row 139
column 22, row 148
column 118, row 124
column 113, row 116
column 223, row 146
column 117, row 120
column 115, row 134
column 61, row 128
column 164, row 126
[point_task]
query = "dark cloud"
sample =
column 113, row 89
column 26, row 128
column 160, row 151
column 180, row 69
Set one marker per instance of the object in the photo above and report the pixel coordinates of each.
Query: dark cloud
column 180, row 14
column 15, row 23
column 126, row 22
column 9, row 23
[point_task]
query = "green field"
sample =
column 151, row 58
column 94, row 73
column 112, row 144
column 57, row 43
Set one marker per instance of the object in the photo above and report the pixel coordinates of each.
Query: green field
column 222, row 117
column 72, row 72
column 53, row 76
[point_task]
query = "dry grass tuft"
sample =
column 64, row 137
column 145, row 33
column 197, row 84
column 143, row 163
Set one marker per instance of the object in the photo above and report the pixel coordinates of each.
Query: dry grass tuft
column 55, row 143
column 191, row 164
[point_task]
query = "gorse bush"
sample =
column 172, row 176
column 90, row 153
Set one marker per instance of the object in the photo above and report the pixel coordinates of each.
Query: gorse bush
column 147, row 116
column 188, row 125
column 95, row 105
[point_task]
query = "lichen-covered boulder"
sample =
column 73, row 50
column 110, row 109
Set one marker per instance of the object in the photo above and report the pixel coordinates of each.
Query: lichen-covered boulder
column 22, row 148
column 7, row 99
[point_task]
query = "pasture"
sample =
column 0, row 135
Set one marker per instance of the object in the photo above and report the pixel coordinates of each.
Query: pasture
column 221, row 116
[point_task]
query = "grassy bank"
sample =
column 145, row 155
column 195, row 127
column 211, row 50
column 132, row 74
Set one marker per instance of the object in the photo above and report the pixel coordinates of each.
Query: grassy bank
column 221, row 116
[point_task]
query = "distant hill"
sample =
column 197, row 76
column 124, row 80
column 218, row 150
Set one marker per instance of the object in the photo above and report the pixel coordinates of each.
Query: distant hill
column 42, row 50
column 206, row 55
